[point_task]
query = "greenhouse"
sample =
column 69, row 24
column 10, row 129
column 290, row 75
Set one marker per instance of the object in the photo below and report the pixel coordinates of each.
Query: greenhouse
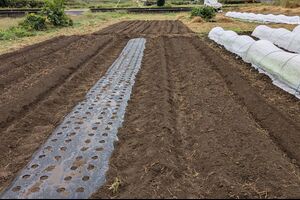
column 289, row 40
column 297, row 29
column 270, row 18
column 281, row 66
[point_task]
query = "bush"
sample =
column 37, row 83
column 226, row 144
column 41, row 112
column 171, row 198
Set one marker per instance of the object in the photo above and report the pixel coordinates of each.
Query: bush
column 55, row 12
column 206, row 13
column 52, row 13
column 160, row 2
column 3, row 3
column 34, row 22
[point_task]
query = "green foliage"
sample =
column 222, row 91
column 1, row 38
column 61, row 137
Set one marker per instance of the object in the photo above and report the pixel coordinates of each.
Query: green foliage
column 21, row 3
column 34, row 22
column 206, row 13
column 54, row 10
column 52, row 13
column 160, row 2
column 14, row 33
column 3, row 3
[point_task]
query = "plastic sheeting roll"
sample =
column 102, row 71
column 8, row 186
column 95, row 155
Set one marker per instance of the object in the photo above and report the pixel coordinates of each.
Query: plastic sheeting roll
column 270, row 18
column 280, row 36
column 282, row 67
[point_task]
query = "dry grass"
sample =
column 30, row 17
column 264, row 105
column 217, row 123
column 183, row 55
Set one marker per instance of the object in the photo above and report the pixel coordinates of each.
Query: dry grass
column 267, row 9
column 114, row 187
column 289, row 3
column 197, row 20
column 7, row 22
column 203, row 27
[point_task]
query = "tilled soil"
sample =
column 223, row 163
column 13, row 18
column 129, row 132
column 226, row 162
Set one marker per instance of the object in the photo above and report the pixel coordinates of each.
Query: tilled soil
column 140, row 28
column 198, row 124
column 38, row 93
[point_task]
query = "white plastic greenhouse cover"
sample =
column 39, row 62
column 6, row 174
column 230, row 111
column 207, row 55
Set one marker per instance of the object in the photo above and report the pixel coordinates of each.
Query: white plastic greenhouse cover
column 213, row 3
column 297, row 29
column 270, row 18
column 289, row 40
column 282, row 67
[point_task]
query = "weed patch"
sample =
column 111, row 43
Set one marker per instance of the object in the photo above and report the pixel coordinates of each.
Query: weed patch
column 206, row 13
column 15, row 32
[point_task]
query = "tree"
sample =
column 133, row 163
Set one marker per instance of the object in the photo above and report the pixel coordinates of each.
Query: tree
column 3, row 3
column 160, row 2
column 54, row 10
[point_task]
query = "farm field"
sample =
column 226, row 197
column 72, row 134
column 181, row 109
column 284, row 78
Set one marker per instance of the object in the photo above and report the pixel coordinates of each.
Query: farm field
column 199, row 123
column 92, row 22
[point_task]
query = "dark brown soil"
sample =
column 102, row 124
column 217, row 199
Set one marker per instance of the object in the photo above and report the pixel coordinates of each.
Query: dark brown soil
column 199, row 122
column 196, row 127
column 140, row 28
column 274, row 109
column 37, row 94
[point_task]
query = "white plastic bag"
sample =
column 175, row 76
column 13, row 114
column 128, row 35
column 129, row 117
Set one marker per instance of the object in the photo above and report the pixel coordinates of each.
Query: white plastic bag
column 213, row 3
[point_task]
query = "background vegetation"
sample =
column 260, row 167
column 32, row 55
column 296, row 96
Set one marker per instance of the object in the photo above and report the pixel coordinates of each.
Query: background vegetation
column 22, row 3
column 132, row 3
column 52, row 15
column 15, row 32
column 161, row 2
column 206, row 13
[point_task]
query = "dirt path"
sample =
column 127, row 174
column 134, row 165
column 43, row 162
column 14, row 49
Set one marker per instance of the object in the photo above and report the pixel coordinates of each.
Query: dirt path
column 197, row 125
